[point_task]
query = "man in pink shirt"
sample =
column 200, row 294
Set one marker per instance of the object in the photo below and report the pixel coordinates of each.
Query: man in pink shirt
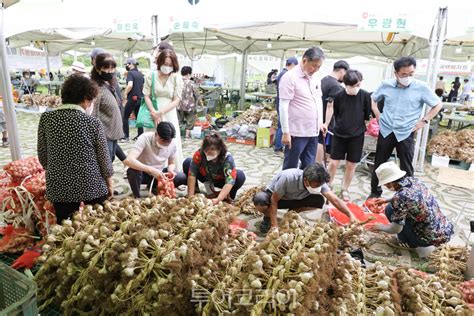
column 301, row 110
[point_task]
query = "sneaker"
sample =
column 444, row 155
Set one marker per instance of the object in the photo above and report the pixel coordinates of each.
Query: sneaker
column 265, row 225
column 124, row 140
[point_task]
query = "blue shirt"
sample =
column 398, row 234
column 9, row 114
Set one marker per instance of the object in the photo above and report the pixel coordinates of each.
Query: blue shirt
column 403, row 106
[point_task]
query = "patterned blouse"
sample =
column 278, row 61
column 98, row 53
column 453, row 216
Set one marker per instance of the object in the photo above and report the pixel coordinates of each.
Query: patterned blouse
column 414, row 203
column 219, row 172
column 73, row 150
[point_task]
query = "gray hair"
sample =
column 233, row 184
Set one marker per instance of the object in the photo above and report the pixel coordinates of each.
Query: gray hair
column 316, row 172
column 314, row 53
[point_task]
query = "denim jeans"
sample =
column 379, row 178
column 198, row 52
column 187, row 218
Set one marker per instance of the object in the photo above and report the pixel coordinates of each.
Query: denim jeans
column 302, row 149
column 408, row 234
column 112, row 144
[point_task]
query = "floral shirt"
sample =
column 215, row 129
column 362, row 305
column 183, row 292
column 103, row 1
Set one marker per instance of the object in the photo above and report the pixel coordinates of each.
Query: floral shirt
column 219, row 172
column 414, row 203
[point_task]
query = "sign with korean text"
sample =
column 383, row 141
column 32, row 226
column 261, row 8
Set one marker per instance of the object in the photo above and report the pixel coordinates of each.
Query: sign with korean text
column 372, row 22
column 185, row 25
column 128, row 26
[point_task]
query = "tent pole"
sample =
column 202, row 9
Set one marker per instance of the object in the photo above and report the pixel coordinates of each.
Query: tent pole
column 154, row 28
column 282, row 62
column 48, row 68
column 433, row 41
column 443, row 15
column 6, row 92
column 242, row 79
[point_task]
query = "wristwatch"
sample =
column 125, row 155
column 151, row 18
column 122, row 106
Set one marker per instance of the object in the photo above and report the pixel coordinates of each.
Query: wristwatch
column 425, row 121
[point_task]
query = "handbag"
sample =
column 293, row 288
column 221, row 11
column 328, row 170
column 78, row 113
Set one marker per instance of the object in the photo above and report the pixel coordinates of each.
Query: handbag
column 144, row 118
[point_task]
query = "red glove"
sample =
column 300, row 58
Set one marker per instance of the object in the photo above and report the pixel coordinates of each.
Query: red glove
column 27, row 259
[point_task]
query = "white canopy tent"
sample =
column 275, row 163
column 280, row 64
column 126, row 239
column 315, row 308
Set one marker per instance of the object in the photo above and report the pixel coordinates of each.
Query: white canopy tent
column 234, row 29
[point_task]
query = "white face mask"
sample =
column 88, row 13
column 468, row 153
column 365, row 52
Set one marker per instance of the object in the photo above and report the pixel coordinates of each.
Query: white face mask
column 209, row 158
column 90, row 109
column 352, row 90
column 406, row 81
column 166, row 69
column 314, row 190
column 161, row 146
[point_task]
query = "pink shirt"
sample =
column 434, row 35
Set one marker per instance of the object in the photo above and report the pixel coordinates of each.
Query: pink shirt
column 305, row 111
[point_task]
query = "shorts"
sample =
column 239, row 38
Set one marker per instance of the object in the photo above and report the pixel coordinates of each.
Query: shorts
column 187, row 119
column 349, row 149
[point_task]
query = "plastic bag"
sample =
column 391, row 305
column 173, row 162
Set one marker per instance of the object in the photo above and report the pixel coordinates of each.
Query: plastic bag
column 373, row 128
column 144, row 118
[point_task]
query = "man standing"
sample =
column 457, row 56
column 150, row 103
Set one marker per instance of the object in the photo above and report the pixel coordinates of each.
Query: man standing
column 153, row 154
column 134, row 94
column 404, row 97
column 290, row 63
column 301, row 110
column 466, row 93
column 299, row 190
column 330, row 86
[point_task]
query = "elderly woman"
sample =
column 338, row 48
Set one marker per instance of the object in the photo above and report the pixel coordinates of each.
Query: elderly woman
column 107, row 104
column 215, row 167
column 413, row 212
column 72, row 148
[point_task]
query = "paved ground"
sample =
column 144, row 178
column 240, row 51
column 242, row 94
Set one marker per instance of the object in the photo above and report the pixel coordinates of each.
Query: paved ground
column 260, row 165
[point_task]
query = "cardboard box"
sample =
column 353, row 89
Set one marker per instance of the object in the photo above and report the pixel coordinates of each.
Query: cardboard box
column 241, row 141
column 265, row 137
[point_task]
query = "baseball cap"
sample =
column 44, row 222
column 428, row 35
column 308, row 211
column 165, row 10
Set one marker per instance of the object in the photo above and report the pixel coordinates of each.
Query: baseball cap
column 79, row 67
column 292, row 61
column 132, row 61
column 96, row 51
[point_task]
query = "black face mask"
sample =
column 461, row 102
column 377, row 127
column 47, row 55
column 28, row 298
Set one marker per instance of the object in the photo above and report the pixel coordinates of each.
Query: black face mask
column 106, row 76
column 127, row 68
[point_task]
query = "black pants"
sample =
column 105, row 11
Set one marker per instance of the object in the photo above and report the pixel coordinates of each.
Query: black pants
column 131, row 106
column 136, row 178
column 64, row 210
column 385, row 146
column 239, row 181
column 408, row 234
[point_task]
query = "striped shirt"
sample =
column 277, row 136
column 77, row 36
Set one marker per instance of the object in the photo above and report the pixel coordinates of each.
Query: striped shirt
column 107, row 110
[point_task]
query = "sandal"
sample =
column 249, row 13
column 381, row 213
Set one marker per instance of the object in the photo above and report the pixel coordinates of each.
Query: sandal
column 394, row 242
column 345, row 196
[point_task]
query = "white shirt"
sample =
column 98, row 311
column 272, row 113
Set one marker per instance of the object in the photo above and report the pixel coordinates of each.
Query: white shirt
column 150, row 154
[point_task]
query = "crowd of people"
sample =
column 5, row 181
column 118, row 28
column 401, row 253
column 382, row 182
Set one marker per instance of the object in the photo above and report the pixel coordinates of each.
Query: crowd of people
column 78, row 141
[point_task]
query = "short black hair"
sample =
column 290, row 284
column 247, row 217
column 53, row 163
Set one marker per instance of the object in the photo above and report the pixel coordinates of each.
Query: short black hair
column 441, row 77
column 166, row 130
column 352, row 77
column 186, row 70
column 341, row 64
column 316, row 172
column 404, row 62
column 262, row 198
column 78, row 88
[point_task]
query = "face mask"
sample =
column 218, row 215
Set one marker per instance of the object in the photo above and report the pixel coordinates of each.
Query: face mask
column 352, row 90
column 90, row 109
column 161, row 146
column 314, row 190
column 127, row 68
column 405, row 81
column 106, row 76
column 166, row 69
column 209, row 158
